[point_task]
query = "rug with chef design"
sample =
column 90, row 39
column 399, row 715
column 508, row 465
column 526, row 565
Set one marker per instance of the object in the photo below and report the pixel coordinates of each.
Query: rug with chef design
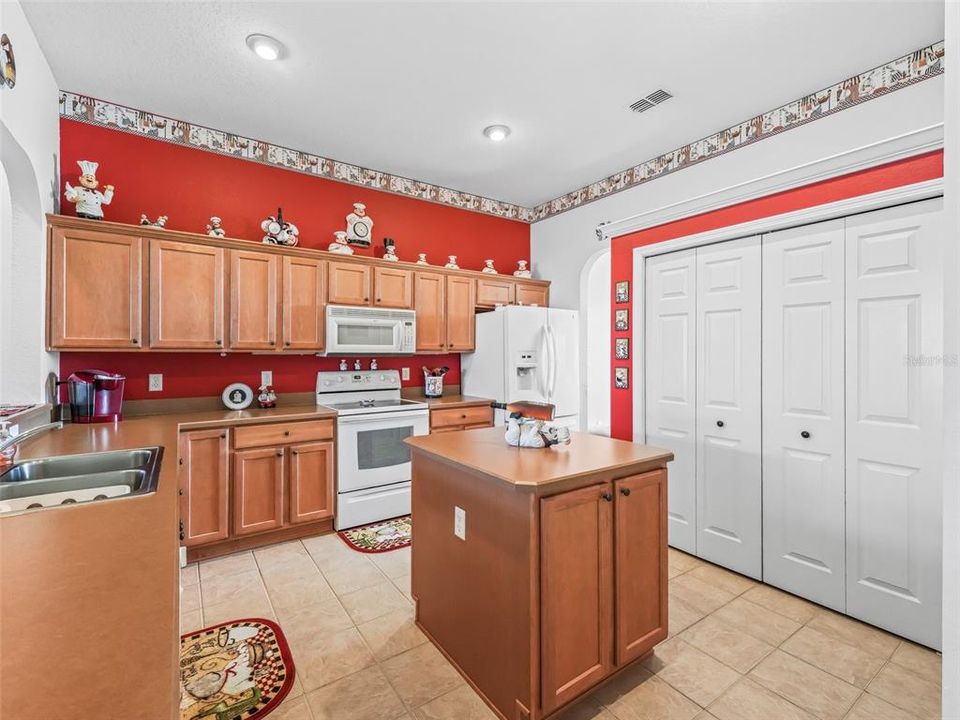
column 379, row 536
column 240, row 669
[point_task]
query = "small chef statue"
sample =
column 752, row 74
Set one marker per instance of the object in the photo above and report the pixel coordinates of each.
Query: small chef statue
column 87, row 198
column 359, row 226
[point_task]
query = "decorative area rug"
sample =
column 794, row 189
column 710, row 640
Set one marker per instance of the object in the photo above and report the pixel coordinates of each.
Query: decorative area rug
column 238, row 669
column 379, row 537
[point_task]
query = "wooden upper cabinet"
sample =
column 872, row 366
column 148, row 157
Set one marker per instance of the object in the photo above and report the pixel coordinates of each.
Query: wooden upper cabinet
column 186, row 295
column 254, row 278
column 348, row 283
column 311, row 482
column 304, row 301
column 530, row 294
column 204, row 486
column 95, row 290
column 460, row 311
column 576, row 592
column 493, row 291
column 430, row 305
column 257, row 490
column 392, row 287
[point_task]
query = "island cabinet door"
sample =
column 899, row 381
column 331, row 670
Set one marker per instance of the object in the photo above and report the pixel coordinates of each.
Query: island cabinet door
column 640, row 568
column 311, row 482
column 254, row 292
column 186, row 295
column 204, row 487
column 576, row 592
column 430, row 305
column 257, row 490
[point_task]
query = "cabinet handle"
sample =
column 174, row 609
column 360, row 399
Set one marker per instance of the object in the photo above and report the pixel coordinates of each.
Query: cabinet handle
column 624, row 491
column 607, row 496
column 719, row 423
column 805, row 434
column 181, row 531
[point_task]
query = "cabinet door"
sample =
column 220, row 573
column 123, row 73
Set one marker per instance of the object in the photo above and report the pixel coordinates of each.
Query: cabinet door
column 460, row 311
column 670, row 368
column 348, row 283
column 529, row 294
column 576, row 592
column 492, row 292
column 392, row 287
column 253, row 300
column 304, row 303
column 640, row 539
column 430, row 304
column 728, row 405
column 311, row 482
column 204, row 486
column 186, row 295
column 257, row 490
column 803, row 477
column 95, row 290
column 894, row 400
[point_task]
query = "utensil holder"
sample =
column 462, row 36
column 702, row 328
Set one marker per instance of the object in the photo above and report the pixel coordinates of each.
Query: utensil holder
column 433, row 385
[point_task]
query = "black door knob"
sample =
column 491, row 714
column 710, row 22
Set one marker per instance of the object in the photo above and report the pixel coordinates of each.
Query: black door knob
column 607, row 496
column 719, row 423
column 805, row 434
column 624, row 491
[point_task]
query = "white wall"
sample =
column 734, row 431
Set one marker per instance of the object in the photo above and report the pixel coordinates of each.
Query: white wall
column 29, row 151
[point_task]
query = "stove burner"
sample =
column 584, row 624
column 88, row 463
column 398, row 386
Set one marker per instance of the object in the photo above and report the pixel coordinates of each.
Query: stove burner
column 367, row 403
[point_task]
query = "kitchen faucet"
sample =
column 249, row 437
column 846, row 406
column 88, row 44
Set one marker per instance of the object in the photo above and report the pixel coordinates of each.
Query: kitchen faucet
column 11, row 441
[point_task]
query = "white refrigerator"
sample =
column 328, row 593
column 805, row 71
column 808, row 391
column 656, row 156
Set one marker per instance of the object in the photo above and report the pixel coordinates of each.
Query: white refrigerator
column 526, row 353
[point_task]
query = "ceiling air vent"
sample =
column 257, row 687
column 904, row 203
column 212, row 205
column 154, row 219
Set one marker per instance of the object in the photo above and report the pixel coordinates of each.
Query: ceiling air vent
column 650, row 101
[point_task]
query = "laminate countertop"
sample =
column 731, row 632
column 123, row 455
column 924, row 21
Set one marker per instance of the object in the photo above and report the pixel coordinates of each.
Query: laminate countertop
column 484, row 451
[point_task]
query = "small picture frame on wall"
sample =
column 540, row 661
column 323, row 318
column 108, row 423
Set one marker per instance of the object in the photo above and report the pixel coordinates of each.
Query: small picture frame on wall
column 623, row 291
column 621, row 349
column 621, row 378
column 621, row 320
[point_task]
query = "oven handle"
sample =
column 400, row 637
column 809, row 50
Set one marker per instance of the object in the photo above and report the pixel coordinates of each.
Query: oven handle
column 348, row 420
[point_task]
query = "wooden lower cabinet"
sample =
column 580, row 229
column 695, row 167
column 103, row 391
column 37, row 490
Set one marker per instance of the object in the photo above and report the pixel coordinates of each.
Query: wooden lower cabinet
column 312, row 493
column 204, row 486
column 257, row 490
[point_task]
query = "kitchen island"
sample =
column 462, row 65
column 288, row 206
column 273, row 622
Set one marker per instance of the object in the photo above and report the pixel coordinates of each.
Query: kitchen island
column 539, row 573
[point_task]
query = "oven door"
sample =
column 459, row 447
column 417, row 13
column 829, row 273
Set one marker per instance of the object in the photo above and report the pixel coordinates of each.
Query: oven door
column 364, row 335
column 371, row 451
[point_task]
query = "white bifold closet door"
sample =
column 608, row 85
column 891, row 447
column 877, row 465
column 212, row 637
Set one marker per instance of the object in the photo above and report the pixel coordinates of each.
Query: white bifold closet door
column 894, row 387
column 803, row 421
column 670, row 369
column 728, row 405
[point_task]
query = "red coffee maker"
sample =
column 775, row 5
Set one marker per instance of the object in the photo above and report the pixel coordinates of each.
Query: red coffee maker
column 96, row 396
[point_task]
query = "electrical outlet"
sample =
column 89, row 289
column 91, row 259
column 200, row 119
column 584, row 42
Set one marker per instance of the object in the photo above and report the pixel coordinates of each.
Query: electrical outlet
column 155, row 382
column 405, row 373
column 266, row 377
column 459, row 522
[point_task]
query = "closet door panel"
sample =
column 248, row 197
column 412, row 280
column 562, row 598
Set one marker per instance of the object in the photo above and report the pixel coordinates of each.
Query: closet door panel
column 728, row 405
column 803, row 473
column 894, row 391
column 671, row 383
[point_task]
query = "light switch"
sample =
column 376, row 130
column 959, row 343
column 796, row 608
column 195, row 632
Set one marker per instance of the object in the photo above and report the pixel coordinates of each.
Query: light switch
column 155, row 382
column 459, row 522
column 405, row 373
column 266, row 377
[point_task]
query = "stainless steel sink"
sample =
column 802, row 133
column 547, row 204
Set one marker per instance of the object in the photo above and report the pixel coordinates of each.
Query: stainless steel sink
column 70, row 479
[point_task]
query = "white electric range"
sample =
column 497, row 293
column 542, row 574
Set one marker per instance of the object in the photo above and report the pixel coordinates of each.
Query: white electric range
column 373, row 462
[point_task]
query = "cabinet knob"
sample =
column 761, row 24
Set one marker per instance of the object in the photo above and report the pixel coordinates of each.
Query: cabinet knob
column 805, row 434
column 286, row 433
column 219, row 342
column 607, row 496
column 223, row 435
column 133, row 341
column 719, row 423
column 624, row 491
column 295, row 452
column 280, row 453
column 287, row 343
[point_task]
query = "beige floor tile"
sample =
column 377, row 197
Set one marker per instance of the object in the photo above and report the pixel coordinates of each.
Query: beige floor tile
column 870, row 707
column 586, row 709
column 190, row 621
column 816, row 691
column 280, row 552
column 330, row 552
column 835, row 656
column 351, row 577
column 392, row 634
column 292, row 708
column 691, row 671
column 402, row 584
column 704, row 715
column 907, row 690
column 365, row 695
column 853, row 632
column 254, row 605
column 460, row 704
column 636, row 694
column 394, row 563
column 780, row 602
column 326, row 657
column 923, row 661
column 374, row 601
column 190, row 575
column 227, row 565
column 286, row 568
column 749, row 701
column 190, row 598
column 699, row 595
column 732, row 582
column 681, row 562
column 680, row 616
column 767, row 625
column 292, row 593
column 726, row 644
column 322, row 617
column 421, row 674
column 222, row 588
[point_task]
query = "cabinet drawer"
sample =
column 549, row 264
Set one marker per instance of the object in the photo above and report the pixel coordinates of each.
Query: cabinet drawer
column 282, row 433
column 476, row 415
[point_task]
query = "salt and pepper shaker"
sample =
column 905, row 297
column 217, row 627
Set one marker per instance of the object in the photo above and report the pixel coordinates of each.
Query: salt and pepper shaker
column 343, row 364
column 356, row 364
column 373, row 364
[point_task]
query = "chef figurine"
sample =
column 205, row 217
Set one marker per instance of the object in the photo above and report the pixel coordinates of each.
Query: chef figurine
column 390, row 250
column 359, row 226
column 452, row 263
column 356, row 365
column 340, row 244
column 521, row 270
column 489, row 268
column 422, row 259
column 343, row 365
column 215, row 229
column 87, row 198
column 267, row 397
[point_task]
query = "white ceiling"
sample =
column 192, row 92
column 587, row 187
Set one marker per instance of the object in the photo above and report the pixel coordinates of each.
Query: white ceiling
column 407, row 87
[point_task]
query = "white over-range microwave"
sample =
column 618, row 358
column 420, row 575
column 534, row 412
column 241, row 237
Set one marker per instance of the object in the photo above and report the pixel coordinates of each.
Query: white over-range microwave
column 370, row 331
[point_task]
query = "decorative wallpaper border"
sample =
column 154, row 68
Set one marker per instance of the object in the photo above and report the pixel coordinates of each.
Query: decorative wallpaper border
column 919, row 65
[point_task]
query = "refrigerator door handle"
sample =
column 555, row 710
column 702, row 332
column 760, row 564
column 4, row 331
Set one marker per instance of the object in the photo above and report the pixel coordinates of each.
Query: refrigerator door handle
column 553, row 363
column 543, row 364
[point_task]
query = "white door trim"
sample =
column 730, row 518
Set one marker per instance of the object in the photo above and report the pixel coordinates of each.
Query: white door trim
column 818, row 213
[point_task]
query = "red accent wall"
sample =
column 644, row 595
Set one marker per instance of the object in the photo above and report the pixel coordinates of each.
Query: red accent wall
column 190, row 185
column 904, row 172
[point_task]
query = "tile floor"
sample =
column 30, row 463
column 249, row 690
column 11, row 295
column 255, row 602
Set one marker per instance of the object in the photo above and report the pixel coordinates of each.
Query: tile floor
column 738, row 650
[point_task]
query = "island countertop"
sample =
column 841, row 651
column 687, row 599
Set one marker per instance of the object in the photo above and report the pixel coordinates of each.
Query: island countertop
column 485, row 451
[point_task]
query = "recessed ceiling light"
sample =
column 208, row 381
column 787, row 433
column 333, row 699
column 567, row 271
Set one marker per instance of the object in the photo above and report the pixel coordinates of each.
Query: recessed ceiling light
column 266, row 47
column 496, row 133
